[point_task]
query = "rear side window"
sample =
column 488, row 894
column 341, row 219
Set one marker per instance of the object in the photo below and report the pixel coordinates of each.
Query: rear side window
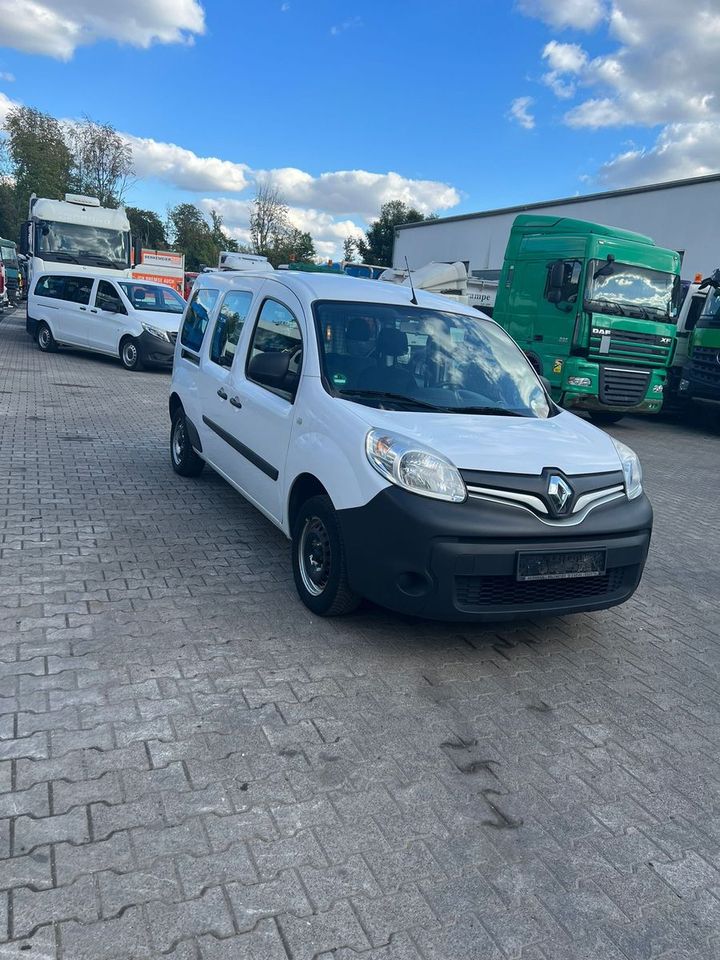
column 228, row 327
column 52, row 287
column 77, row 289
column 107, row 297
column 196, row 318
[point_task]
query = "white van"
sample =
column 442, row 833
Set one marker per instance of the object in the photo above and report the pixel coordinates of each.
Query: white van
column 135, row 320
column 406, row 447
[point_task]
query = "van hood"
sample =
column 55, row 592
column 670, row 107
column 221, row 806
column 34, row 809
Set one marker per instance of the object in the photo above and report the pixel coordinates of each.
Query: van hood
column 504, row 444
column 156, row 318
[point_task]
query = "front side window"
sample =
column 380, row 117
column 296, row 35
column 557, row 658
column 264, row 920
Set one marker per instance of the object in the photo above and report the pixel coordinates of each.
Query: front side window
column 107, row 298
column 626, row 290
column 152, row 296
column 275, row 355
column 196, row 318
column 568, row 290
column 710, row 317
column 77, row 289
column 80, row 243
column 228, row 327
column 410, row 358
column 52, row 287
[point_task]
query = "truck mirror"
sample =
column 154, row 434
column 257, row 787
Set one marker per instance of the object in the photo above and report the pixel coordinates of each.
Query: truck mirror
column 556, row 281
column 25, row 238
column 137, row 251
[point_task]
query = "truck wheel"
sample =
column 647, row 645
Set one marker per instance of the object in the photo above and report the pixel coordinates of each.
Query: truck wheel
column 45, row 339
column 130, row 354
column 602, row 418
column 182, row 456
column 318, row 560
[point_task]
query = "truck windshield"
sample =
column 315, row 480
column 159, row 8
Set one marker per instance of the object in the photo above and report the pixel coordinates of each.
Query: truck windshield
column 710, row 316
column 153, row 296
column 82, row 243
column 8, row 256
column 622, row 288
column 410, row 358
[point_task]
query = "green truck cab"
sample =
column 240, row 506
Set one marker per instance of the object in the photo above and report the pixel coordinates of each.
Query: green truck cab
column 8, row 257
column 701, row 373
column 594, row 308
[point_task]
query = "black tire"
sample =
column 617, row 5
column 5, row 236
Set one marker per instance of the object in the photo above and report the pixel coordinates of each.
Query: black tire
column 183, row 458
column 318, row 560
column 602, row 418
column 130, row 354
column 45, row 339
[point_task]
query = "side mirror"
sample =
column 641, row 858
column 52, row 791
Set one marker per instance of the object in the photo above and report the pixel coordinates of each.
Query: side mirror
column 25, row 238
column 137, row 252
column 556, row 279
column 110, row 306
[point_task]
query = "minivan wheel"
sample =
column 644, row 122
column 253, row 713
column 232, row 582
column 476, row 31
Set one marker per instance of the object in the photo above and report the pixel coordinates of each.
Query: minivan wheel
column 182, row 456
column 318, row 560
column 130, row 354
column 603, row 418
column 45, row 339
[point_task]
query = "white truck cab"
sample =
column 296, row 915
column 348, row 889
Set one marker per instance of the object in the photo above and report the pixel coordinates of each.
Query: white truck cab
column 406, row 447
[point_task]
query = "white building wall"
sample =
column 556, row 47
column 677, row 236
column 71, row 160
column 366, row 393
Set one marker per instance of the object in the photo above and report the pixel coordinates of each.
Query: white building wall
column 680, row 217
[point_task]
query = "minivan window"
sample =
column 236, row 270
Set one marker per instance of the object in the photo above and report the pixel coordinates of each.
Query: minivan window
column 228, row 327
column 411, row 358
column 77, row 289
column 153, row 296
column 275, row 354
column 196, row 318
column 107, row 295
column 52, row 287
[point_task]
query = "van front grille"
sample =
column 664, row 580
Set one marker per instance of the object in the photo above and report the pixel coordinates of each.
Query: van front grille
column 507, row 591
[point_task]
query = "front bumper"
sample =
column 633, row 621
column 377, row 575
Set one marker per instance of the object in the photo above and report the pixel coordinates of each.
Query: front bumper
column 700, row 380
column 595, row 396
column 155, row 352
column 448, row 561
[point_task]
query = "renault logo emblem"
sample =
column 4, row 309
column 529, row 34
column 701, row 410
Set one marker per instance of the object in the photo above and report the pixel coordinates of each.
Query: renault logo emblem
column 559, row 493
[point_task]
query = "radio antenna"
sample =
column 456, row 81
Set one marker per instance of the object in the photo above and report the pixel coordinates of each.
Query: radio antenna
column 413, row 299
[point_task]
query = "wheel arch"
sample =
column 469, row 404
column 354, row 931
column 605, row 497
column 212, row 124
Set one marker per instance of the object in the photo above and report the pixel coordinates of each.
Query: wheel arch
column 304, row 486
column 175, row 404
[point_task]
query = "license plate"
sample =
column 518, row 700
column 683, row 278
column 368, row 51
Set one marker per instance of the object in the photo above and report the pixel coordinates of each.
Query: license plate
column 559, row 566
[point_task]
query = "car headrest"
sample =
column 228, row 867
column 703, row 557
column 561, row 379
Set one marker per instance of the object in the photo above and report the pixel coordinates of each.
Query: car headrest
column 392, row 342
column 360, row 329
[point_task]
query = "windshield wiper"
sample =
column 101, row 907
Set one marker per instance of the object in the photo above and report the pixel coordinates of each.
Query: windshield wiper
column 603, row 301
column 103, row 259
column 60, row 255
column 488, row 411
column 385, row 395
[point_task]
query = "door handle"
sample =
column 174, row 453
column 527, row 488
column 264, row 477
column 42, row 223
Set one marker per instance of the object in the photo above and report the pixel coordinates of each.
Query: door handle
column 92, row 310
column 83, row 308
column 221, row 393
column 235, row 401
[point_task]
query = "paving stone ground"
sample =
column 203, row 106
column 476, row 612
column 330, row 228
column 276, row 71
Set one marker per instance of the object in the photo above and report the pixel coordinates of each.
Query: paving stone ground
column 193, row 767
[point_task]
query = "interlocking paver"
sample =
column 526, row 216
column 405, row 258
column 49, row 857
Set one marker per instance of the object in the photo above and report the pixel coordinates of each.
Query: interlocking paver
column 191, row 763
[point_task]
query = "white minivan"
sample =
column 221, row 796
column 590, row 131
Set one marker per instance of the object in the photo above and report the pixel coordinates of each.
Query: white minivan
column 134, row 320
column 406, row 447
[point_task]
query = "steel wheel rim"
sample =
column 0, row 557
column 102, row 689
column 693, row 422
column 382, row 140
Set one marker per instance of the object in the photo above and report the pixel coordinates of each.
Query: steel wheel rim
column 314, row 556
column 44, row 337
column 178, row 441
column 130, row 354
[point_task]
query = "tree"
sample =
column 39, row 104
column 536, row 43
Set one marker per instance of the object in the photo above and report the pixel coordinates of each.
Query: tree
column 294, row 246
column 39, row 155
column 146, row 226
column 101, row 161
column 191, row 235
column 221, row 240
column 269, row 221
column 349, row 249
column 377, row 247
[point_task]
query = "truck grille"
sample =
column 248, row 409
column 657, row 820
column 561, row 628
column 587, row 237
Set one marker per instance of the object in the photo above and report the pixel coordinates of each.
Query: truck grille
column 509, row 592
column 633, row 344
column 623, row 386
column 705, row 364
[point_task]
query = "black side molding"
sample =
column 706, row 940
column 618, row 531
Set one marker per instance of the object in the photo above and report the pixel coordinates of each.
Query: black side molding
column 257, row 461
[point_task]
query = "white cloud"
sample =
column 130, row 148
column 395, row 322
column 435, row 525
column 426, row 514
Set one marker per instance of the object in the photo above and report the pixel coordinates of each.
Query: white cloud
column 7, row 77
column 57, row 28
column 184, row 169
column 520, row 112
column 348, row 24
column 284, row 7
column 576, row 14
column 5, row 105
column 681, row 150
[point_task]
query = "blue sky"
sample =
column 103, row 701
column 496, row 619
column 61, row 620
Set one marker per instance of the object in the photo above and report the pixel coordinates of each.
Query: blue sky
column 466, row 105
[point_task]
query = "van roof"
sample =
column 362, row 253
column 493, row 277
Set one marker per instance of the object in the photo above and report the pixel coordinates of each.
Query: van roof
column 325, row 286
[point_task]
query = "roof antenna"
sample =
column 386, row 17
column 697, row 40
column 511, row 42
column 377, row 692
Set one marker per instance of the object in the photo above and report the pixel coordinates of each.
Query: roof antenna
column 413, row 299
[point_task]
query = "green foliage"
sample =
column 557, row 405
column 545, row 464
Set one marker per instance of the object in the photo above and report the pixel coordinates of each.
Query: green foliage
column 377, row 247
column 40, row 157
column 219, row 237
column 294, row 246
column 147, row 226
column 349, row 249
column 200, row 241
column 11, row 216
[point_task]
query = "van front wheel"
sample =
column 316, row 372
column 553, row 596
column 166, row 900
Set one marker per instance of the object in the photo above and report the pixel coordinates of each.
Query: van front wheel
column 130, row 354
column 318, row 560
column 45, row 339
column 182, row 456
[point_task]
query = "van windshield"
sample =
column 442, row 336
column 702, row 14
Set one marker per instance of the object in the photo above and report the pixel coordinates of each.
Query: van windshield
column 153, row 296
column 411, row 358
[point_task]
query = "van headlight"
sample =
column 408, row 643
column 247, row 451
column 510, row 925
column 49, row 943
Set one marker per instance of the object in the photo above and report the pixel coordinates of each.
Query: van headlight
column 414, row 466
column 156, row 332
column 631, row 469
